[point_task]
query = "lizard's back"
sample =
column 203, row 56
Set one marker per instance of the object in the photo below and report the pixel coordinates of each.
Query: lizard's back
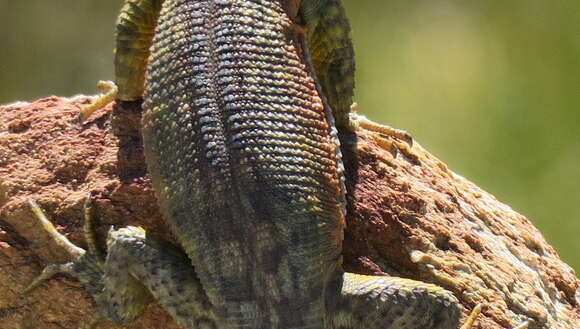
column 244, row 159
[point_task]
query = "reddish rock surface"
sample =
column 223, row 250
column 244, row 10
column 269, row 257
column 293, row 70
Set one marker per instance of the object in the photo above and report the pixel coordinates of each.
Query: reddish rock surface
column 408, row 216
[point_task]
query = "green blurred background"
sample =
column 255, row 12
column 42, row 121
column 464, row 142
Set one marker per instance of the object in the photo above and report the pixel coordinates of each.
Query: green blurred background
column 491, row 87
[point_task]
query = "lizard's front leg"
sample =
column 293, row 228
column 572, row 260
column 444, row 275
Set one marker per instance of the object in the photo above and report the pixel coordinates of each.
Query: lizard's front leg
column 134, row 36
column 331, row 53
column 137, row 269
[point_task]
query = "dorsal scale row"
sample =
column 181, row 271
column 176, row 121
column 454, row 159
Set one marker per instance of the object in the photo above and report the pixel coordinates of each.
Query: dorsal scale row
column 264, row 173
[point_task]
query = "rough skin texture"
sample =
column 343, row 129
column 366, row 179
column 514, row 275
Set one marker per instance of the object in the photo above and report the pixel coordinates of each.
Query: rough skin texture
column 245, row 164
column 398, row 208
column 244, row 161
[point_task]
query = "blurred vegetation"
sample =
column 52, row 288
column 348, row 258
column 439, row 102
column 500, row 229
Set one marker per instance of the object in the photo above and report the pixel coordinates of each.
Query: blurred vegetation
column 491, row 87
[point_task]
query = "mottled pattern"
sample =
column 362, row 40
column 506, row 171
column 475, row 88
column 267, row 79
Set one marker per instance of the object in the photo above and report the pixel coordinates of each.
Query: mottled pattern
column 243, row 160
column 388, row 302
column 139, row 267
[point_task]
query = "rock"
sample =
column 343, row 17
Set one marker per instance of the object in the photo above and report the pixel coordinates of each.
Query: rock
column 408, row 215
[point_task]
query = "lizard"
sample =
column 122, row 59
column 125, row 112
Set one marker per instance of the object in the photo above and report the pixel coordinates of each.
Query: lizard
column 243, row 154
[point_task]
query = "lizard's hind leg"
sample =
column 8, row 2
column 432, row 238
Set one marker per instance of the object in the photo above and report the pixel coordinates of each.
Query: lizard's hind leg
column 137, row 269
column 381, row 302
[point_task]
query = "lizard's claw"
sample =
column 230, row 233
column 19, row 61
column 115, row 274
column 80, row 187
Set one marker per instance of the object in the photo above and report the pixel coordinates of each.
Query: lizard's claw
column 109, row 92
column 48, row 272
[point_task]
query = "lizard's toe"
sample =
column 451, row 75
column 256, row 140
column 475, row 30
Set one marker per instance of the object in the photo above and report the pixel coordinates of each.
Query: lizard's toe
column 48, row 272
column 109, row 92
column 86, row 266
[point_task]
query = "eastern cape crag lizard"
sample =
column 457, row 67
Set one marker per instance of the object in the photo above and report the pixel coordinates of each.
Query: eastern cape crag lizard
column 245, row 161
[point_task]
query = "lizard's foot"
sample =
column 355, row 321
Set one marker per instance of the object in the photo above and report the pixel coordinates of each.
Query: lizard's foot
column 91, row 268
column 401, row 140
column 86, row 266
column 108, row 91
column 136, row 269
